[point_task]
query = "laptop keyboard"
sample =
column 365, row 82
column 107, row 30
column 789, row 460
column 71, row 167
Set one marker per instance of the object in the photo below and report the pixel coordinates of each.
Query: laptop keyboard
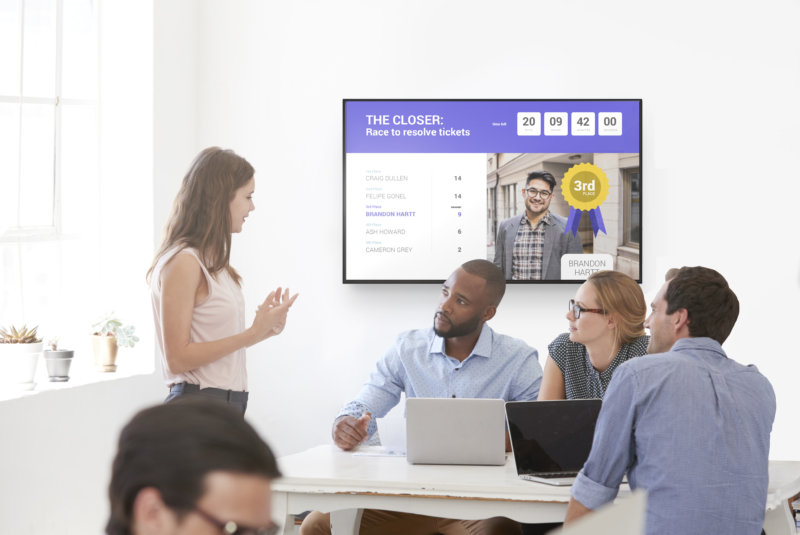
column 550, row 475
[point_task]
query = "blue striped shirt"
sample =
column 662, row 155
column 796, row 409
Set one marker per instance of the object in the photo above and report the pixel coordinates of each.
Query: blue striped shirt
column 691, row 427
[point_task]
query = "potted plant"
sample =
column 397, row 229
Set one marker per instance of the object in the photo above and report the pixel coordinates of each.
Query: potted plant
column 109, row 334
column 19, row 354
column 57, row 360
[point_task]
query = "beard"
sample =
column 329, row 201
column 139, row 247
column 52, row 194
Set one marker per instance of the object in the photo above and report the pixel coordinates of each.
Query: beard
column 455, row 329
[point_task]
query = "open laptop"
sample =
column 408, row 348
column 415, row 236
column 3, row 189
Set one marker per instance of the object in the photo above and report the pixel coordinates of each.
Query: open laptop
column 551, row 439
column 455, row 431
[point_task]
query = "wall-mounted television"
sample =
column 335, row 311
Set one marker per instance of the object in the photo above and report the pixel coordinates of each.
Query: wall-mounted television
column 549, row 190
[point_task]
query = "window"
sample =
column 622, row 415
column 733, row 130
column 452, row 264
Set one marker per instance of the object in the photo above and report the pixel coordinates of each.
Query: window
column 49, row 132
column 490, row 217
column 76, row 229
column 48, row 114
column 632, row 214
column 509, row 200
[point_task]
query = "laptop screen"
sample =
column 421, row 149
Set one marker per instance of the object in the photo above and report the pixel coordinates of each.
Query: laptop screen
column 550, row 436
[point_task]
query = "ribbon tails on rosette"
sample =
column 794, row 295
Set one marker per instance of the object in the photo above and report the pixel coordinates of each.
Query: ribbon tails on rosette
column 585, row 187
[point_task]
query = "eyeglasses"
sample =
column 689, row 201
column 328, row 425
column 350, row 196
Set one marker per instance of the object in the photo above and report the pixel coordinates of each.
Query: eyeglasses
column 577, row 309
column 543, row 193
column 232, row 528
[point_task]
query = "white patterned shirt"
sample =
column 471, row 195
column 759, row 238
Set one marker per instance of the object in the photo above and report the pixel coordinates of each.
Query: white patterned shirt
column 498, row 367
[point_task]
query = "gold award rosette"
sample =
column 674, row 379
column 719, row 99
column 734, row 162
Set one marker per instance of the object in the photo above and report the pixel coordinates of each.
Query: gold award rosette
column 585, row 187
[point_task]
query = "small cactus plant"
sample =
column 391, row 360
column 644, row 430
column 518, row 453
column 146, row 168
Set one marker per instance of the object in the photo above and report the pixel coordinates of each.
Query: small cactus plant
column 12, row 335
column 52, row 343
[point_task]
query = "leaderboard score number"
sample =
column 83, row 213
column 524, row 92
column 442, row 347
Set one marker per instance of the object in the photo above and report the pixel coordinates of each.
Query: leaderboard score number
column 457, row 196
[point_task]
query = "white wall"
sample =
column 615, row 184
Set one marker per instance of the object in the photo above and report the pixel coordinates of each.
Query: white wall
column 718, row 81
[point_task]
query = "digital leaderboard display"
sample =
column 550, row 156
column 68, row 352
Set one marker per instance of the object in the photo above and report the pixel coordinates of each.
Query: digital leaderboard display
column 548, row 190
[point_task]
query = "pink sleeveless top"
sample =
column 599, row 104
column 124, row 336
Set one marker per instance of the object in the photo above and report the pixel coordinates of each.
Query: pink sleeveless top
column 220, row 315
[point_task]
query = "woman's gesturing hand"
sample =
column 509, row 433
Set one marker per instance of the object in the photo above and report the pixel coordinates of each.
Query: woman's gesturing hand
column 271, row 314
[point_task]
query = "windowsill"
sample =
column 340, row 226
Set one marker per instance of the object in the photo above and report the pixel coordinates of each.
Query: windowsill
column 628, row 251
column 82, row 375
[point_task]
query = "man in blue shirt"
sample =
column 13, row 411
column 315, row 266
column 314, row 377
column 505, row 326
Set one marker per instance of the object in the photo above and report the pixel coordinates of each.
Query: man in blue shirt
column 460, row 356
column 686, row 423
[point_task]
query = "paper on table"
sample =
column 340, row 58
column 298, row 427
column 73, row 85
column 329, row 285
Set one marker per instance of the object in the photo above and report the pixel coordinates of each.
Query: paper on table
column 392, row 432
column 377, row 451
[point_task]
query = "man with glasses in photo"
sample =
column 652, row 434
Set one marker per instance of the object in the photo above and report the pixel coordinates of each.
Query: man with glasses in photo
column 191, row 466
column 530, row 246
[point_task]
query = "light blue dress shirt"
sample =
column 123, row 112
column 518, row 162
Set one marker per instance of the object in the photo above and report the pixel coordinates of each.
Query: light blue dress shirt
column 691, row 427
column 498, row 367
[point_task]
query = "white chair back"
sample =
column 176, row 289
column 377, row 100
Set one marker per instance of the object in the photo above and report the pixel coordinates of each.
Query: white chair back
column 623, row 517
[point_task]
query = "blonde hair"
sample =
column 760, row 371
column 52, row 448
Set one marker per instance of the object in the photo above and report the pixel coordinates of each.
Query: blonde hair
column 200, row 217
column 622, row 298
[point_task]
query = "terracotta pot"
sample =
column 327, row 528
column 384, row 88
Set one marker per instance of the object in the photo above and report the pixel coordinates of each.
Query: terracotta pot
column 105, row 352
column 18, row 364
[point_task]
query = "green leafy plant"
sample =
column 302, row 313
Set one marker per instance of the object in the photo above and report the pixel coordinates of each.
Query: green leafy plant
column 111, row 326
column 12, row 335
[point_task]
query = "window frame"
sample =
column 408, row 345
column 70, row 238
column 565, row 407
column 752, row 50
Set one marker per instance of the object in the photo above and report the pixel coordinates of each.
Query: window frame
column 509, row 200
column 627, row 181
column 18, row 232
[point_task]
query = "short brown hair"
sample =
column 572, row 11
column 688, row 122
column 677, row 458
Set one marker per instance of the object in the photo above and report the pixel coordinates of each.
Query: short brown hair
column 710, row 303
column 173, row 447
column 620, row 296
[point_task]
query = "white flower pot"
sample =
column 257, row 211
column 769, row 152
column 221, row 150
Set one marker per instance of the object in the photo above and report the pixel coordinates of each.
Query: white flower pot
column 57, row 362
column 18, row 365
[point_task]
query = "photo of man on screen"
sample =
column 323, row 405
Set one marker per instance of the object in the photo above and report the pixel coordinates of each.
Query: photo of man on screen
column 530, row 246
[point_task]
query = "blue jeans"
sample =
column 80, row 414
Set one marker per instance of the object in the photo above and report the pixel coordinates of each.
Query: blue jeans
column 231, row 397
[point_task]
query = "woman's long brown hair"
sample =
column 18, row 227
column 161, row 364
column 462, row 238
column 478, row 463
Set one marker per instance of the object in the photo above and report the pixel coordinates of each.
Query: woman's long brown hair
column 200, row 217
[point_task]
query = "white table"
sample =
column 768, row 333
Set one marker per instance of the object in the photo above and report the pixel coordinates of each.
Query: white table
column 784, row 482
column 329, row 480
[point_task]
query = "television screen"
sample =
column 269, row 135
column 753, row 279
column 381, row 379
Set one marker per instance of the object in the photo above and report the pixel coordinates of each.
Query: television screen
column 548, row 190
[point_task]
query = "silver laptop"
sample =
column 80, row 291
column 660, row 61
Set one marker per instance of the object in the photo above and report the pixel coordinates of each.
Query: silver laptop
column 455, row 431
column 551, row 439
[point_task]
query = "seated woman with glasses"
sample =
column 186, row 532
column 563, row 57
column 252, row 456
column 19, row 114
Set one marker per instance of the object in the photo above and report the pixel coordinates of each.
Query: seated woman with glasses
column 606, row 328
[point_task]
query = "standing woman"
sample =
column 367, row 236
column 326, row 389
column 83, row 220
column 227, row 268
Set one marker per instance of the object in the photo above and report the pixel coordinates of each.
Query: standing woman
column 606, row 328
column 198, row 306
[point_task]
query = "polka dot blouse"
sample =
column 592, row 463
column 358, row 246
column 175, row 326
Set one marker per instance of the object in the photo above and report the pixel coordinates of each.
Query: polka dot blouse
column 581, row 379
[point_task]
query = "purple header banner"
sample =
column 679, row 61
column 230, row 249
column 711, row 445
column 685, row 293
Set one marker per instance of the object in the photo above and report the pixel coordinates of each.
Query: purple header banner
column 474, row 126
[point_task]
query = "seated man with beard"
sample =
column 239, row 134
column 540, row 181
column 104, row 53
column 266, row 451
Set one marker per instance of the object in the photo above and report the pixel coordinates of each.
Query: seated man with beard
column 460, row 356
